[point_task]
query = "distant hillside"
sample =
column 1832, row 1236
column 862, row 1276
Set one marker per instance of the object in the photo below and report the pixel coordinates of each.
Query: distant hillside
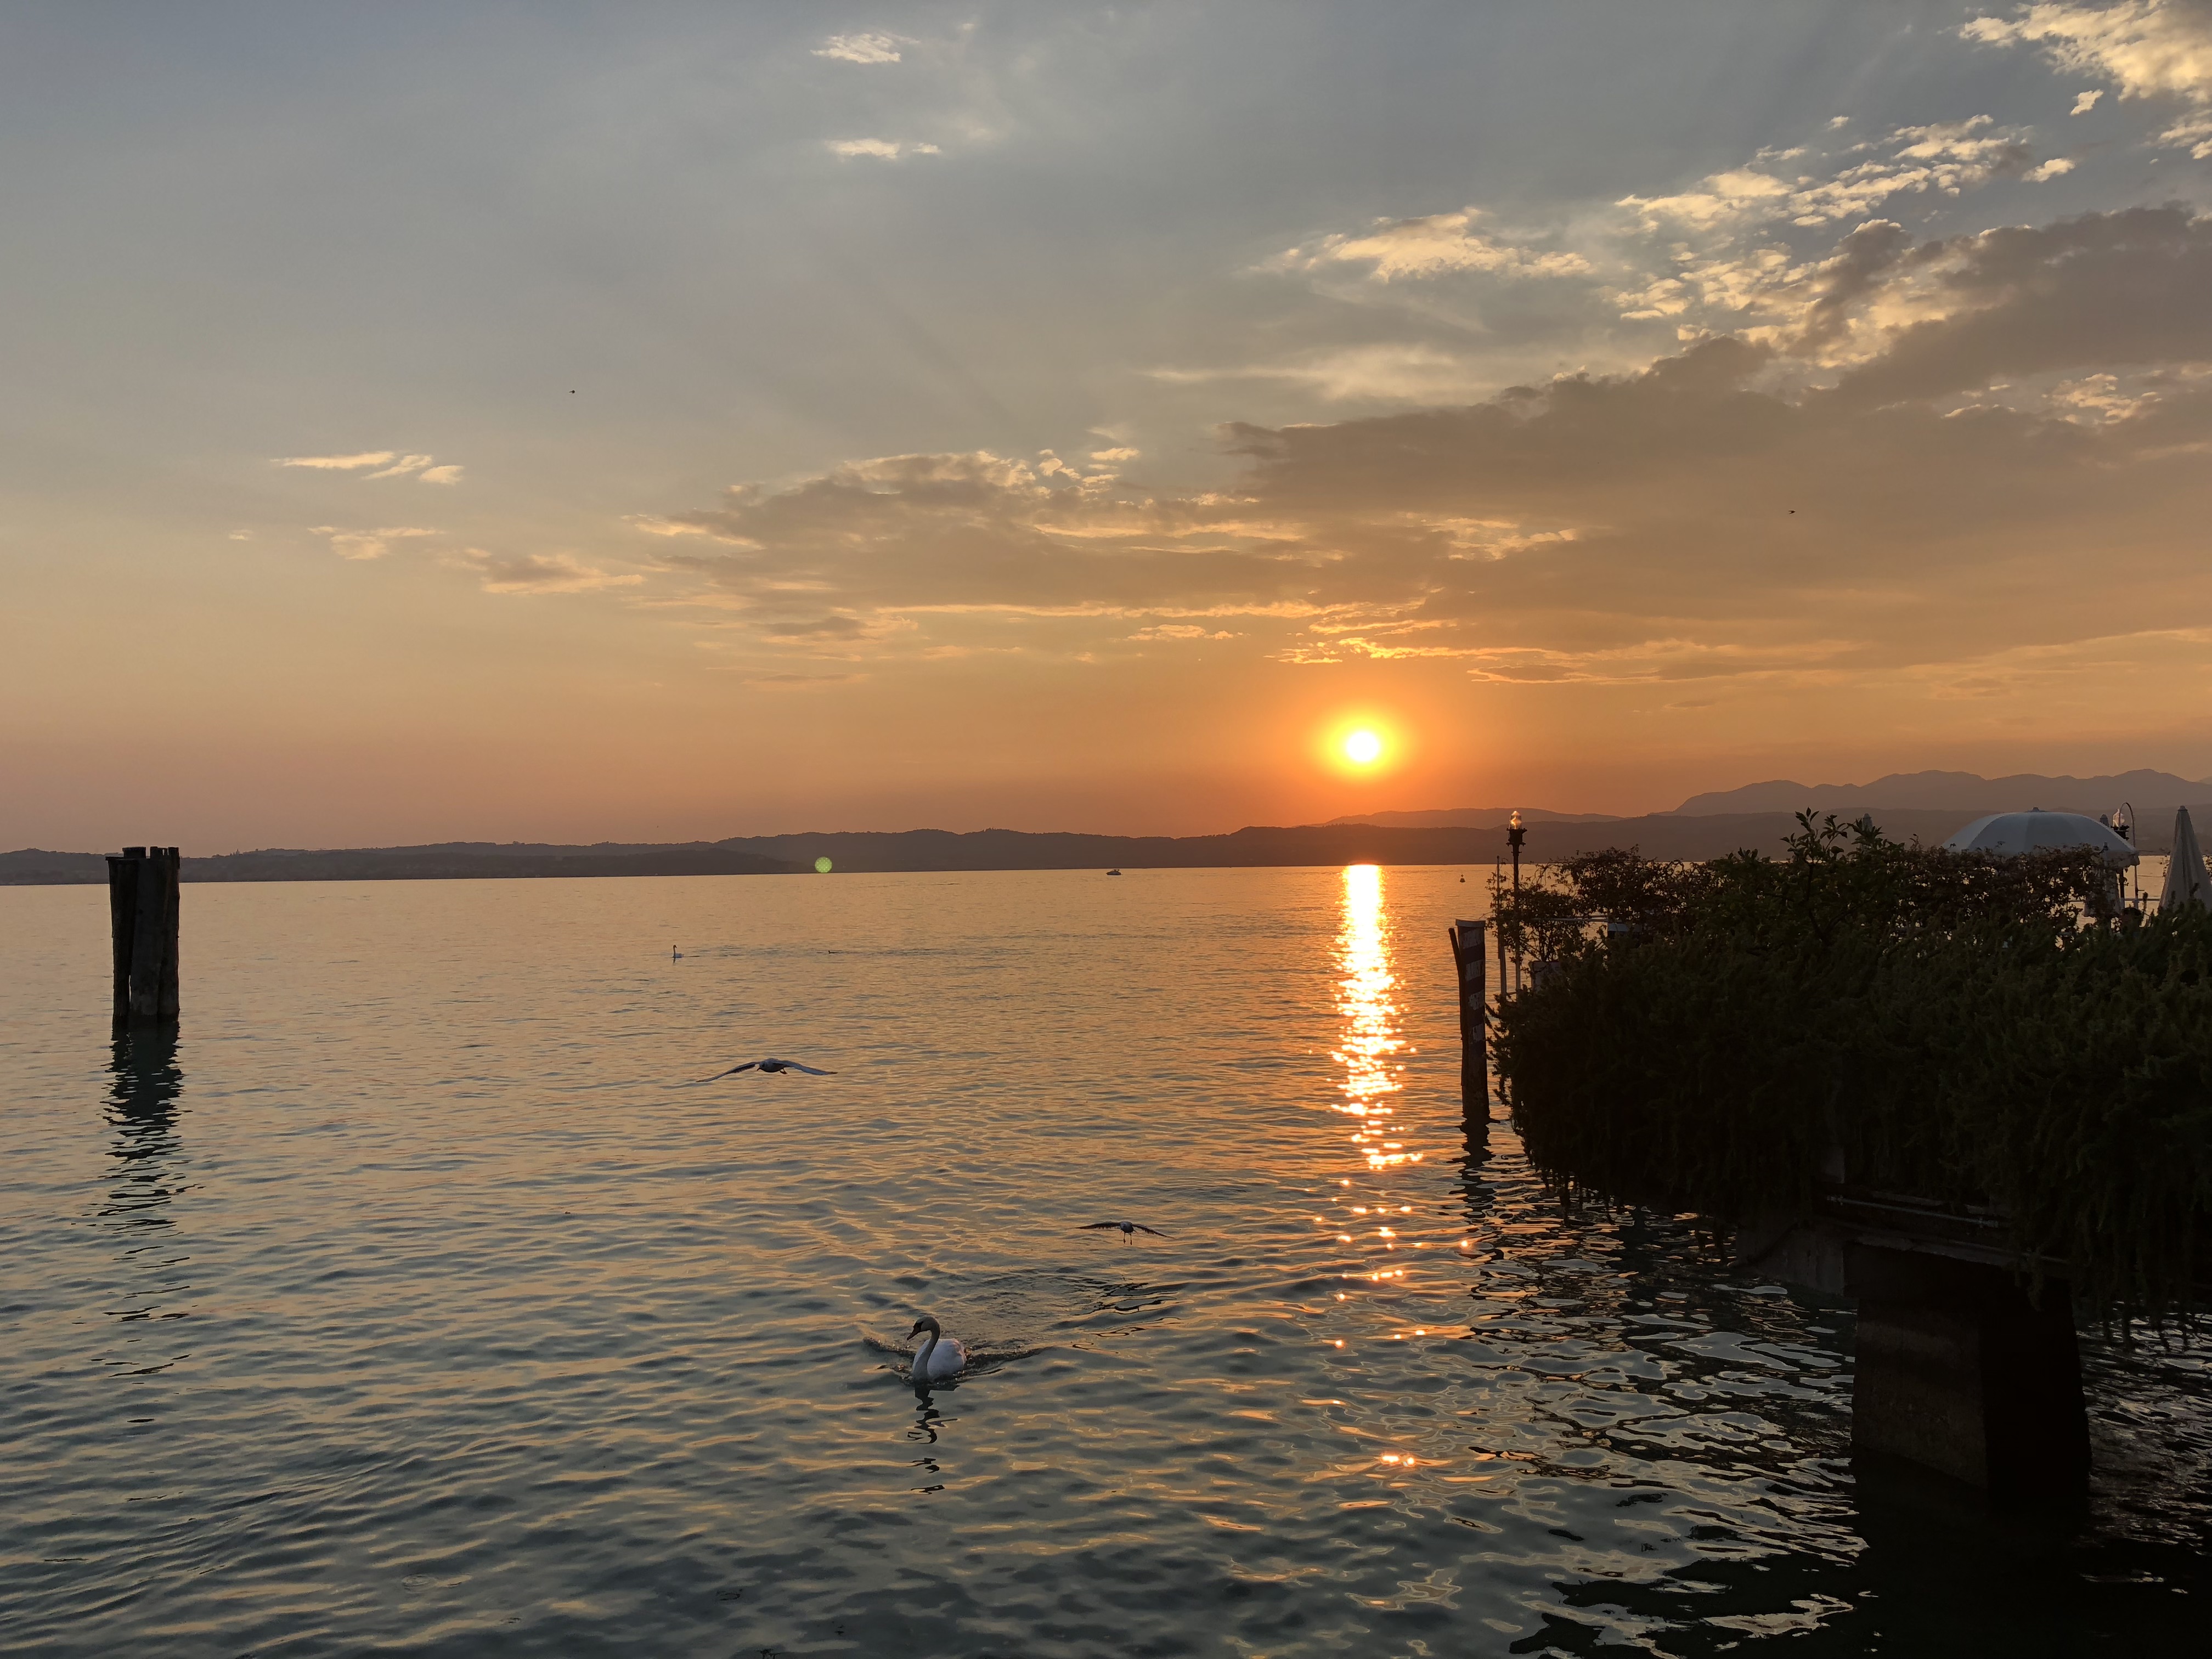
column 459, row 861
column 1963, row 791
column 1664, row 835
column 1472, row 817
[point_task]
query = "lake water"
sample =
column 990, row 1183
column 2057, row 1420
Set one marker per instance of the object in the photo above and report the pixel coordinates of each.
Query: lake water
column 402, row 1305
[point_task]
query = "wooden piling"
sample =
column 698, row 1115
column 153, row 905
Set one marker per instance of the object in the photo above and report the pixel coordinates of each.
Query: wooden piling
column 1471, row 973
column 143, row 904
column 1960, row 1370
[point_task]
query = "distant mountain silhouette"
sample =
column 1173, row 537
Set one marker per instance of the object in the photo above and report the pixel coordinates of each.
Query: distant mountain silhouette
column 1688, row 833
column 1472, row 818
column 451, row 861
column 1961, row 792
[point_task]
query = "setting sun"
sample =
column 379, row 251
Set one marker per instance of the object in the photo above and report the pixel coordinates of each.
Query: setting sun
column 1363, row 748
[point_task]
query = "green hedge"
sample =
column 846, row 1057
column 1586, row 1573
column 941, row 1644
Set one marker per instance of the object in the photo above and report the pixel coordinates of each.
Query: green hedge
column 1970, row 1029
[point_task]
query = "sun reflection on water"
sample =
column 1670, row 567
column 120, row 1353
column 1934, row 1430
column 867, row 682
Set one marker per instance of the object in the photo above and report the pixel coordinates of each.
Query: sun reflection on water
column 1370, row 1041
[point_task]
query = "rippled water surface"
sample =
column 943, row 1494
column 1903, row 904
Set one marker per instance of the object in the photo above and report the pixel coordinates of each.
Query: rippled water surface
column 401, row 1304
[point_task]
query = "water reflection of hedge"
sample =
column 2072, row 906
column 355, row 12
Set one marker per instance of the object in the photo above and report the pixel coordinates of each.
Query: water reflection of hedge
column 1977, row 1030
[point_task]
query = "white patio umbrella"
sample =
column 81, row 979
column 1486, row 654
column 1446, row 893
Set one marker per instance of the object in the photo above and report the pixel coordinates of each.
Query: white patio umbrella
column 2030, row 832
column 2186, row 881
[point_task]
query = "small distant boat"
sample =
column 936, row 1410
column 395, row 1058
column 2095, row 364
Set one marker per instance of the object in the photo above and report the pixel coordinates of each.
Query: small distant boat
column 1113, row 873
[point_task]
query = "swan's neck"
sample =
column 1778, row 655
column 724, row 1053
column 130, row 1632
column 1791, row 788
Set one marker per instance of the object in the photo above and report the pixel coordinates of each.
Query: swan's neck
column 921, row 1354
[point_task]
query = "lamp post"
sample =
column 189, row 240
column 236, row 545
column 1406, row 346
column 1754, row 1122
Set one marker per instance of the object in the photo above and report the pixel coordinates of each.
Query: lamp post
column 1516, row 833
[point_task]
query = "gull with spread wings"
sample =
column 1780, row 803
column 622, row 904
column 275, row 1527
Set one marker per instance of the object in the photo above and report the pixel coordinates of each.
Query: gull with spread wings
column 769, row 1065
column 1129, row 1229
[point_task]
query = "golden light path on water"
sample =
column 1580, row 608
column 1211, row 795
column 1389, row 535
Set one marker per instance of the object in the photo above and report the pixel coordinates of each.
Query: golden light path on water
column 1372, row 1041
column 1368, row 1046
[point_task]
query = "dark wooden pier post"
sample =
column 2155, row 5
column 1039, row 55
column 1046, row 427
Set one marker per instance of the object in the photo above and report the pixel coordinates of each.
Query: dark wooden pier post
column 1471, row 967
column 143, row 894
column 1959, row 1368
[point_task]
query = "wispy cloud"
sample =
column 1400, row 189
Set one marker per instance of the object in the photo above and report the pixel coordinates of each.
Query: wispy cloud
column 1182, row 631
column 2147, row 48
column 797, row 682
column 1435, row 245
column 1946, row 156
column 537, row 572
column 388, row 463
column 879, row 149
column 1406, row 373
column 369, row 544
column 340, row 463
column 863, row 48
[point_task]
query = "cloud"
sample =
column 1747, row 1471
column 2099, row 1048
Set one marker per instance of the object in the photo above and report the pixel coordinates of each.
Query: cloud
column 340, row 463
column 1711, row 516
column 1725, row 196
column 2147, row 48
column 537, row 572
column 2086, row 102
column 367, row 543
column 391, row 463
column 2102, row 291
column 908, row 552
column 862, row 48
column 881, row 149
column 800, row 682
column 1441, row 244
column 1389, row 373
column 1947, row 157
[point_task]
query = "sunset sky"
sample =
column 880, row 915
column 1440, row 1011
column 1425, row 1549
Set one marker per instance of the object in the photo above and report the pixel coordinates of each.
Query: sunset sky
column 494, row 420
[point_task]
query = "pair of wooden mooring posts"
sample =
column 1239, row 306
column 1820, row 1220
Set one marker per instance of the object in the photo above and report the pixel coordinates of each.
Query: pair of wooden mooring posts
column 141, row 911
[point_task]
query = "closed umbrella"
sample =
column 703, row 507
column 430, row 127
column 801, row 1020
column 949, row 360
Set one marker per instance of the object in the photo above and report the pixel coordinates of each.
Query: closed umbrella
column 2186, row 881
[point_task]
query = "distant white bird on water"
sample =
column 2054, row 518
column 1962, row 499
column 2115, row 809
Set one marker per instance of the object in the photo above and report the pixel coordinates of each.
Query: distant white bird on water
column 939, row 1358
column 1129, row 1229
column 770, row 1065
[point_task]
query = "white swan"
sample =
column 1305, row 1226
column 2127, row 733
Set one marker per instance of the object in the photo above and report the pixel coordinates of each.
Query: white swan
column 940, row 1357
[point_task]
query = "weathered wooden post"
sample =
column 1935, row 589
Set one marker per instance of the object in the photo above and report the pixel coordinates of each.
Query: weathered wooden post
column 1471, row 970
column 142, row 895
column 1958, row 1368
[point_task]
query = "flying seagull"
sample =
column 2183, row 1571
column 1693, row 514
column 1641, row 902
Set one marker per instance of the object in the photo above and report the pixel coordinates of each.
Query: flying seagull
column 1129, row 1229
column 767, row 1065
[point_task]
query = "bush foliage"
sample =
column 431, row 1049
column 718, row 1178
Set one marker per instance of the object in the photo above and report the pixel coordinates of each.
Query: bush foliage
column 1981, row 1031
